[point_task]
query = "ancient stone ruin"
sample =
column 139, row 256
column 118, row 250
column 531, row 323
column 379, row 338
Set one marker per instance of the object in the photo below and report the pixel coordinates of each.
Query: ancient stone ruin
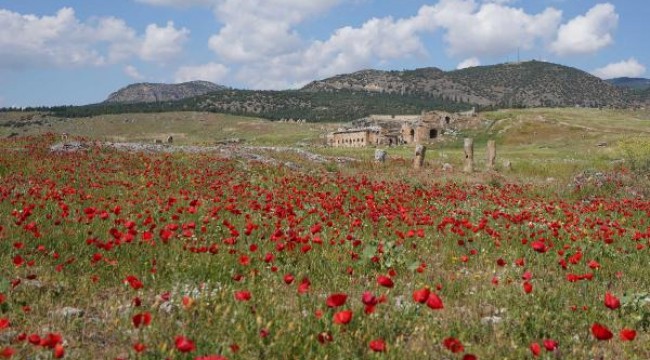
column 491, row 154
column 420, row 151
column 380, row 156
column 390, row 130
column 468, row 148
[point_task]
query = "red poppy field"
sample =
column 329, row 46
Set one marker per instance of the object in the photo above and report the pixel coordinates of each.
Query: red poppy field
column 109, row 254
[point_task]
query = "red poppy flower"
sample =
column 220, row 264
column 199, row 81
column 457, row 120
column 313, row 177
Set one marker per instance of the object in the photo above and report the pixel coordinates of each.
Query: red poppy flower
column 288, row 279
column 421, row 295
column 550, row 345
column 385, row 281
column 336, row 300
column 612, row 301
column 378, row 345
column 453, row 345
column 4, row 323
column 342, row 317
column 184, row 344
column 593, row 264
column 528, row 287
column 59, row 351
column 601, row 332
column 368, row 299
column 303, row 287
column 7, row 352
column 34, row 339
column 51, row 340
column 539, row 246
column 434, row 302
column 139, row 347
column 211, row 357
column 142, row 319
column 535, row 349
column 242, row 295
column 134, row 282
column 187, row 302
column 18, row 260
column 627, row 334
column 469, row 357
column 325, row 337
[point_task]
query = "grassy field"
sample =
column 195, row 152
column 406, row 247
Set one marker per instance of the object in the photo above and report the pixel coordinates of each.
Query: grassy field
column 187, row 128
column 111, row 254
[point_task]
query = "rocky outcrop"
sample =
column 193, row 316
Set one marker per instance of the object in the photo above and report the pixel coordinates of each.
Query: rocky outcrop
column 154, row 92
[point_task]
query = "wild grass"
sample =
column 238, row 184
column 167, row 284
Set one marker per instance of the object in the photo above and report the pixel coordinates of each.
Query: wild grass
column 84, row 229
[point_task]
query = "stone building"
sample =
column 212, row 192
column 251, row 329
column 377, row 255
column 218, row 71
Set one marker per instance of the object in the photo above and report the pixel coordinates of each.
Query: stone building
column 361, row 137
column 389, row 130
column 427, row 128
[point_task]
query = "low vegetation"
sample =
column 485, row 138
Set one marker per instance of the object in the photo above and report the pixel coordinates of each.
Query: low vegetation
column 151, row 255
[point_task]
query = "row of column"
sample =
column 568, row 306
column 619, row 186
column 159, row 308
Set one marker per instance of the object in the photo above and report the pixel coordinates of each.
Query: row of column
column 468, row 148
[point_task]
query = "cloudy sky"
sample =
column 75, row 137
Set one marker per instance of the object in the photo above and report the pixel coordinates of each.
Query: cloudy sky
column 76, row 52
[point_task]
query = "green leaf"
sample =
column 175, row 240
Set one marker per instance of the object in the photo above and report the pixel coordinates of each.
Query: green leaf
column 369, row 251
column 4, row 285
column 414, row 266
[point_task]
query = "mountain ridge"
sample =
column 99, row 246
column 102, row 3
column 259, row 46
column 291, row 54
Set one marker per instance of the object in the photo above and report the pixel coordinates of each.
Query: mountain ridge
column 521, row 84
column 347, row 97
column 155, row 92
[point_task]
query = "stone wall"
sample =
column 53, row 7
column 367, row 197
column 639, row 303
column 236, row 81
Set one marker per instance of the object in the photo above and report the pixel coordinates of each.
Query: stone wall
column 359, row 138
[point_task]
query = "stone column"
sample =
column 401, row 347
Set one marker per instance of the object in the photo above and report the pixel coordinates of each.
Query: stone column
column 380, row 156
column 420, row 150
column 491, row 154
column 468, row 146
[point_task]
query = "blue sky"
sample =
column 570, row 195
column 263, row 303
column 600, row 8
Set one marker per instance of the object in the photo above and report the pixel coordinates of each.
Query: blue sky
column 77, row 52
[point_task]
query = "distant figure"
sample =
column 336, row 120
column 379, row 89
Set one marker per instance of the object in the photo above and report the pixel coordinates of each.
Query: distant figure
column 64, row 137
column 170, row 140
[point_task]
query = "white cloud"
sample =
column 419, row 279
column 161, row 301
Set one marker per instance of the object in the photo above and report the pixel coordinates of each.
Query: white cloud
column 260, row 44
column 163, row 43
column 257, row 29
column 471, row 30
column 500, row 2
column 209, row 72
column 348, row 49
column 133, row 72
column 588, row 33
column 471, row 62
column 28, row 40
column 62, row 40
column 626, row 68
column 492, row 29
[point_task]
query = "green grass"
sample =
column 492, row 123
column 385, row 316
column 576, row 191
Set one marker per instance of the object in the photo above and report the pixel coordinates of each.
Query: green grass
column 80, row 224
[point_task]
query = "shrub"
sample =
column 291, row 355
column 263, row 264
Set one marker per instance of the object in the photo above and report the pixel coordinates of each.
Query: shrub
column 636, row 152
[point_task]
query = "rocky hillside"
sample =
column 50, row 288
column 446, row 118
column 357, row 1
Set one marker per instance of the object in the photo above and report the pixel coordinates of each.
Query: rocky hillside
column 153, row 92
column 352, row 96
column 525, row 84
